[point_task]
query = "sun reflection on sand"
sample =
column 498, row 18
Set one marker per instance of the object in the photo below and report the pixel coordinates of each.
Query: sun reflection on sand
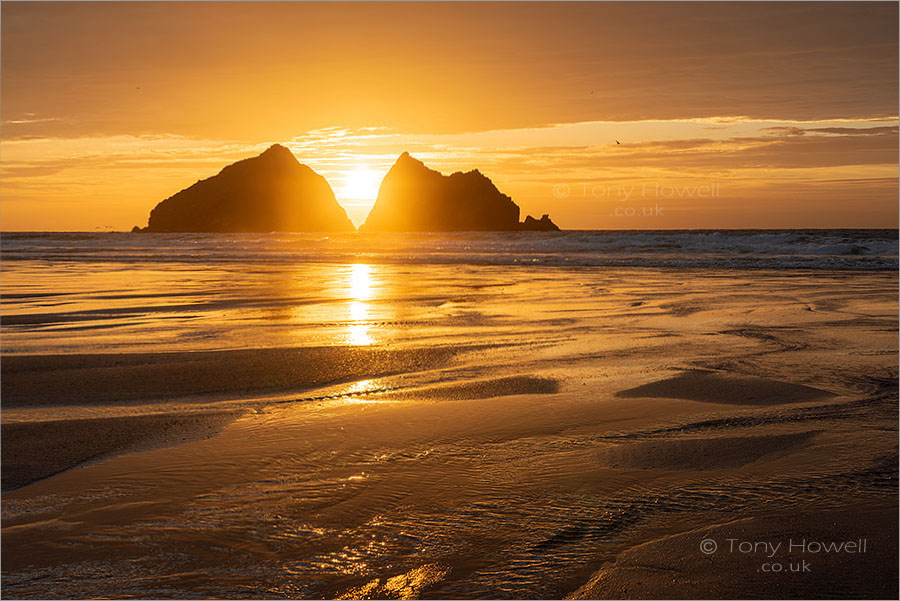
column 360, row 291
column 360, row 283
column 362, row 388
column 358, row 332
column 402, row 586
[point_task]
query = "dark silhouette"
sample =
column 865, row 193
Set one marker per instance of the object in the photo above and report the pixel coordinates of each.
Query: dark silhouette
column 414, row 198
column 538, row 225
column 270, row 192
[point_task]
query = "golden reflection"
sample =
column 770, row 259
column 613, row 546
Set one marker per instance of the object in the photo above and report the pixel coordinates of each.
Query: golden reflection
column 360, row 291
column 403, row 586
column 358, row 311
column 365, row 392
column 359, row 330
column 360, row 286
column 363, row 387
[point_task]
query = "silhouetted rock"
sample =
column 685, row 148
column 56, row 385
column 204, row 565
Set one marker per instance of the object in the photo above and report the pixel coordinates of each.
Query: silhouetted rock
column 270, row 192
column 538, row 225
column 414, row 198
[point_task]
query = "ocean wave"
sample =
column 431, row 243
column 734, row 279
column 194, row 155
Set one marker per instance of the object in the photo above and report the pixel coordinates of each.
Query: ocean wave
column 729, row 249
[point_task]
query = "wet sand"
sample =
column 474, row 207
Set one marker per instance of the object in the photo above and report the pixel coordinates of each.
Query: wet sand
column 499, row 433
column 33, row 450
column 804, row 555
column 36, row 450
column 711, row 387
column 700, row 453
column 54, row 380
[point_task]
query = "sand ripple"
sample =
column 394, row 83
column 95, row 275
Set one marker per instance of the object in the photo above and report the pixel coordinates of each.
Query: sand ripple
column 712, row 387
column 700, row 453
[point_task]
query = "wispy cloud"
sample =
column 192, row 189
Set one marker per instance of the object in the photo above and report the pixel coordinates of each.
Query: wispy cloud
column 29, row 119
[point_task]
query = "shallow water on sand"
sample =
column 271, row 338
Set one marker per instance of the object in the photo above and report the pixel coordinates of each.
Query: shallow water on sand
column 509, row 454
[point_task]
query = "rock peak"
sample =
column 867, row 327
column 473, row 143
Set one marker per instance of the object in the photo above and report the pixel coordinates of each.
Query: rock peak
column 408, row 159
column 276, row 149
column 407, row 166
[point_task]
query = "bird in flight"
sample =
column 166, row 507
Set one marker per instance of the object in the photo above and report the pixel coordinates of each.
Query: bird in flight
column 617, row 142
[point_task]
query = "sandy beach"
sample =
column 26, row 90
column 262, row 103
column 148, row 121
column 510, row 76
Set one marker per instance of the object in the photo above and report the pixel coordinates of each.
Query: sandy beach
column 36, row 450
column 527, row 432
column 776, row 557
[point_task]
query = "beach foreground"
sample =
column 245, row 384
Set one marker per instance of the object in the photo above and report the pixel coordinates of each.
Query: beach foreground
column 382, row 430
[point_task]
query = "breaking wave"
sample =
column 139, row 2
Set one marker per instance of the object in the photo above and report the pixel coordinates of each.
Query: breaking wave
column 728, row 249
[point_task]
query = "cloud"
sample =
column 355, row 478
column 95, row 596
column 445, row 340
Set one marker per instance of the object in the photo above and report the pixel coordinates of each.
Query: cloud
column 422, row 68
column 838, row 131
column 29, row 120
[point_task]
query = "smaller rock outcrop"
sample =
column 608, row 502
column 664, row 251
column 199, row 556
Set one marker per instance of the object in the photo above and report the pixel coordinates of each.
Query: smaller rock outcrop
column 538, row 225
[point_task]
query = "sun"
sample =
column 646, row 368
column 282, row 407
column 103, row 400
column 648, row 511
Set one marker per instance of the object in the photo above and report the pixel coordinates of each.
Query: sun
column 361, row 184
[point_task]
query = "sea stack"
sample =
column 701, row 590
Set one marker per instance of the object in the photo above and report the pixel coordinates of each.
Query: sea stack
column 414, row 198
column 538, row 225
column 271, row 192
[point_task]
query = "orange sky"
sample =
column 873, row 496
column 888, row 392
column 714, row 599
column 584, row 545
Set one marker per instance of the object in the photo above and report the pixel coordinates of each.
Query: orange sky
column 790, row 109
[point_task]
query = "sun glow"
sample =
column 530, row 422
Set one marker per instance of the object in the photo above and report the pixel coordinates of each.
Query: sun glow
column 361, row 184
column 356, row 189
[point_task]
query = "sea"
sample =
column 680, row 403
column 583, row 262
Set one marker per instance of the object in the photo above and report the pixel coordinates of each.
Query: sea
column 107, row 292
column 841, row 249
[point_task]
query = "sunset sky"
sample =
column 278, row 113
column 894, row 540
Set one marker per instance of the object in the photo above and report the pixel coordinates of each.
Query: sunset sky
column 790, row 109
